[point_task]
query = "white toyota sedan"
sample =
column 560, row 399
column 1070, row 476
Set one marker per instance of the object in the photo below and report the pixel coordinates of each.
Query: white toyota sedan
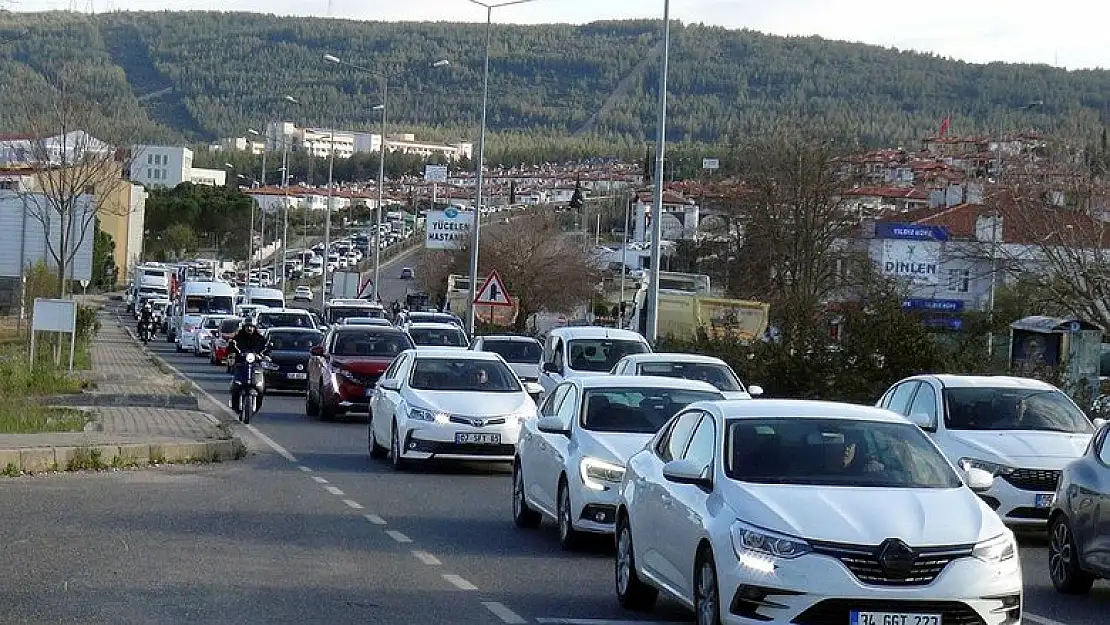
column 570, row 462
column 448, row 404
column 805, row 512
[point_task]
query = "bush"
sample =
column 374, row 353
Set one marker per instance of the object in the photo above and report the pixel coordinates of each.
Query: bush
column 87, row 323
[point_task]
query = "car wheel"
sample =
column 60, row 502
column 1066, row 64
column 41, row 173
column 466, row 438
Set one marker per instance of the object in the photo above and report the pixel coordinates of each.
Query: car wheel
column 569, row 538
column 524, row 516
column 323, row 410
column 377, row 452
column 632, row 592
column 399, row 463
column 707, row 604
column 311, row 404
column 1063, row 560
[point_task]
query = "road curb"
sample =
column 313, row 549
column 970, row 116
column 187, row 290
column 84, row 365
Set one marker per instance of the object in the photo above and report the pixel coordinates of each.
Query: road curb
column 108, row 456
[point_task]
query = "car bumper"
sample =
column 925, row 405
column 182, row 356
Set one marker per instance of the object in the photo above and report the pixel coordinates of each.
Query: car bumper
column 816, row 589
column 427, row 442
column 594, row 510
column 1019, row 508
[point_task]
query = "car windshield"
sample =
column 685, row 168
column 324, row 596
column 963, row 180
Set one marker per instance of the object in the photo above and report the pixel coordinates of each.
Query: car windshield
column 268, row 303
column 719, row 375
column 283, row 320
column 378, row 344
column 212, row 323
column 637, row 410
column 230, row 326
column 601, row 354
column 293, row 341
column 978, row 408
column 337, row 314
column 463, row 374
column 528, row 352
column 446, row 337
column 834, row 452
column 426, row 317
column 202, row 304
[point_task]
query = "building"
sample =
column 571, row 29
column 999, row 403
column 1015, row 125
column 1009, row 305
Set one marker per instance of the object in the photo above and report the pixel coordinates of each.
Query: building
column 169, row 166
column 318, row 142
column 239, row 144
column 680, row 217
column 57, row 150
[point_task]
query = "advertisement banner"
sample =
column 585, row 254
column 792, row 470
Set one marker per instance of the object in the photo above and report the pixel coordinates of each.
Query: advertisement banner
column 916, row 261
column 448, row 229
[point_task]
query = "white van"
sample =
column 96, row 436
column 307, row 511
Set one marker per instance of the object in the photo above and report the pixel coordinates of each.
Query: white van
column 270, row 298
column 583, row 351
column 196, row 300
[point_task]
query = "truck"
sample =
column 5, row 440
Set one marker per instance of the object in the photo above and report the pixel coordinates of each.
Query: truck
column 349, row 284
column 148, row 281
column 687, row 305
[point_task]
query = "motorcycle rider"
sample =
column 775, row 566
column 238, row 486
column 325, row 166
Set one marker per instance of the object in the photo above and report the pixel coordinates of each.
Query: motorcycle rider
column 246, row 340
column 146, row 318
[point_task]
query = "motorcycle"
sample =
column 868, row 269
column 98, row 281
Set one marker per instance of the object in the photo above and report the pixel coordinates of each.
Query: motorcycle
column 249, row 387
column 145, row 332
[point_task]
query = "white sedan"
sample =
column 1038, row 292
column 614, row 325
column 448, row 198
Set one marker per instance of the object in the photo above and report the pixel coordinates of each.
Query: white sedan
column 302, row 294
column 570, row 462
column 690, row 367
column 810, row 512
column 448, row 404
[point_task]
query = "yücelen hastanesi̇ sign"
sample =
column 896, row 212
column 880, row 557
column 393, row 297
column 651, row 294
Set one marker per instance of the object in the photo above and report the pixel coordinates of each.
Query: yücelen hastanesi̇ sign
column 448, row 229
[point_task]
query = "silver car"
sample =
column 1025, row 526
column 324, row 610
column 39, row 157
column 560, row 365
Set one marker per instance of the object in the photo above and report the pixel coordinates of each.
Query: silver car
column 1077, row 527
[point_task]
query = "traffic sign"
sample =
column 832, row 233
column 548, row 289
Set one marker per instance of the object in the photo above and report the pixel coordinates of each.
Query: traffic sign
column 493, row 292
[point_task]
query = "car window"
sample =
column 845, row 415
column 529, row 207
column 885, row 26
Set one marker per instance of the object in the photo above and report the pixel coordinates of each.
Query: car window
column 551, row 404
column 568, row 409
column 1104, row 449
column 293, row 341
column 283, row 320
column 636, row 410
column 702, row 443
column 985, row 408
column 601, row 354
column 557, row 357
column 716, row 374
column 446, row 337
column 514, row 351
column 834, row 452
column 925, row 402
column 673, row 445
column 391, row 371
column 899, row 400
column 463, row 374
column 378, row 344
column 230, row 326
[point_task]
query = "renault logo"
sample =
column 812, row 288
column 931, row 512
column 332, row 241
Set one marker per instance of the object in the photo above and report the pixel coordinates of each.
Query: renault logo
column 896, row 558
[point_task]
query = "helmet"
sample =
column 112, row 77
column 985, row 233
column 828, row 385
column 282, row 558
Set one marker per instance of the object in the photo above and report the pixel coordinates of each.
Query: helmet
column 146, row 306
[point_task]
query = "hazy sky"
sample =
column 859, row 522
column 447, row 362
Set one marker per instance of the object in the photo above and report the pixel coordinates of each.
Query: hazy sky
column 1067, row 33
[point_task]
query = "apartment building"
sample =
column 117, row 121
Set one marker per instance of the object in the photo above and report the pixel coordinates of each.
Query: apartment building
column 169, row 166
column 318, row 142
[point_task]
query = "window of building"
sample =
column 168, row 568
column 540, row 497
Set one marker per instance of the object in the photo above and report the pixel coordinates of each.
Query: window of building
column 165, row 175
column 959, row 280
column 149, row 175
column 149, row 159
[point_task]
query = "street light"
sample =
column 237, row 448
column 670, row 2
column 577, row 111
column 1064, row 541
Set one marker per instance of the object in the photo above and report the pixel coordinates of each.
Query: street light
column 384, row 78
column 474, row 231
column 657, row 198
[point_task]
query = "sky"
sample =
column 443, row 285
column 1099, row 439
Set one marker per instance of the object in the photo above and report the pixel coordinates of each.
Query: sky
column 1063, row 33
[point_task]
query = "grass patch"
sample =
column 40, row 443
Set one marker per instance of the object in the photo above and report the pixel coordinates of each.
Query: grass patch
column 84, row 459
column 18, row 379
column 21, row 418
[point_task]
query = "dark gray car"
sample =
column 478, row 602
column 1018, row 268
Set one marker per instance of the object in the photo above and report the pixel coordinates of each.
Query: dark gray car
column 1079, row 524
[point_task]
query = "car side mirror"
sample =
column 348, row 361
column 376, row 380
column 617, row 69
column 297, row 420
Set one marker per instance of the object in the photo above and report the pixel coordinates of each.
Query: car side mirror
column 686, row 472
column 924, row 420
column 978, row 480
column 390, row 385
column 534, row 391
column 552, row 425
column 550, row 367
column 317, row 350
column 1099, row 422
column 755, row 390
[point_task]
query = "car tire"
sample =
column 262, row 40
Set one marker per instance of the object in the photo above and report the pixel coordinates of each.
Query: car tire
column 707, row 594
column 323, row 410
column 310, row 404
column 632, row 592
column 1063, row 560
column 569, row 538
column 523, row 515
column 377, row 452
column 399, row 463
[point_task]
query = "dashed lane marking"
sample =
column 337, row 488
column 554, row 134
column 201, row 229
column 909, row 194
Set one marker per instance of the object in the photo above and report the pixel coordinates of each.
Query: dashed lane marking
column 375, row 519
column 319, row 480
column 283, row 452
column 502, row 612
column 1041, row 620
column 305, row 469
column 426, row 557
column 352, row 504
column 398, row 536
column 335, row 491
column 459, row 582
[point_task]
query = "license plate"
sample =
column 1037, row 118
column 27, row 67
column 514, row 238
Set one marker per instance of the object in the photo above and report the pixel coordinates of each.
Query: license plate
column 893, row 618
column 1044, row 500
column 467, row 438
column 297, row 376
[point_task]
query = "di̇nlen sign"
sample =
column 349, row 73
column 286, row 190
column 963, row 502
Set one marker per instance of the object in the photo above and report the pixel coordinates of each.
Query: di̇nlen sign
column 448, row 229
column 911, row 251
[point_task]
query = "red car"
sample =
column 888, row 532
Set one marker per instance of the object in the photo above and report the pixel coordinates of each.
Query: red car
column 228, row 328
column 343, row 371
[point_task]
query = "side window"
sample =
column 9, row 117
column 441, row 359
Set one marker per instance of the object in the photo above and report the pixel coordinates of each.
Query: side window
column 925, row 402
column 551, row 406
column 557, row 357
column 391, row 372
column 568, row 410
column 1104, row 450
column 702, row 443
column 674, row 444
column 549, row 350
column 899, row 400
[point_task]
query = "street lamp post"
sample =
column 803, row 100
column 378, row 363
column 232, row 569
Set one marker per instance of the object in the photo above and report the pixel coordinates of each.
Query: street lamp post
column 657, row 200
column 327, row 218
column 475, row 234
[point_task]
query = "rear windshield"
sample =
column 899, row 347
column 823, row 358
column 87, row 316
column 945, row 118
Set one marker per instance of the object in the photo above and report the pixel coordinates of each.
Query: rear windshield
column 380, row 344
column 283, row 320
column 515, row 351
column 447, row 337
column 211, row 323
column 720, row 376
column 601, row 354
column 230, row 326
column 336, row 314
column 268, row 303
column 637, row 410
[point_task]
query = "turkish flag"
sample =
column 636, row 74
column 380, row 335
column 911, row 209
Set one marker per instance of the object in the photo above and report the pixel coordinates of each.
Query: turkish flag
column 944, row 125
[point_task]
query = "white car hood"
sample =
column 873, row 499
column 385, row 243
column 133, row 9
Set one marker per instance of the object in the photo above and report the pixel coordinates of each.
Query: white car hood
column 1022, row 448
column 615, row 447
column 866, row 516
column 471, row 403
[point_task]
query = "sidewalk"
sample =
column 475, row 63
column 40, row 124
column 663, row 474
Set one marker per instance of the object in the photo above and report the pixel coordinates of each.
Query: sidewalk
column 140, row 415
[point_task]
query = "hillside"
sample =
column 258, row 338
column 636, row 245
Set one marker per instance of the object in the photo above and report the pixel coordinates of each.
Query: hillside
column 199, row 76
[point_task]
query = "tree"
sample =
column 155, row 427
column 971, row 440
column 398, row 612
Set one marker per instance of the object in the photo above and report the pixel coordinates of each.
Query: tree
column 177, row 241
column 104, row 270
column 217, row 216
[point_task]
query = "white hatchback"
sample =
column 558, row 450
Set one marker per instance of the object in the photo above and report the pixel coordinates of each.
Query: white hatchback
column 804, row 512
column 570, row 462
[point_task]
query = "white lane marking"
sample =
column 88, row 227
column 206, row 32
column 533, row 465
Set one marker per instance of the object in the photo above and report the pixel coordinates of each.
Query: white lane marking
column 375, row 519
column 426, row 557
column 505, row 614
column 1041, row 620
column 319, row 480
column 354, row 505
column 305, row 469
column 335, row 491
column 459, row 582
column 398, row 536
column 600, row 621
column 283, row 452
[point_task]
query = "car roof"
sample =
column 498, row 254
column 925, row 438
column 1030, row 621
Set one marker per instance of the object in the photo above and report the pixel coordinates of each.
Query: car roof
column 432, row 325
column 367, row 328
column 293, row 329
column 990, row 381
column 770, row 408
column 507, row 337
column 672, row 357
column 453, row 352
column 596, row 332
column 641, row 381
column 284, row 310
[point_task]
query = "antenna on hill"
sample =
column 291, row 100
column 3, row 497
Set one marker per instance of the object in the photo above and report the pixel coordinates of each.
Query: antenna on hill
column 329, row 8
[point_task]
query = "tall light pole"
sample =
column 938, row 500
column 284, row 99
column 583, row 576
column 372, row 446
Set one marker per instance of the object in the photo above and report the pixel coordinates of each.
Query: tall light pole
column 384, row 78
column 475, row 234
column 657, row 199
column 327, row 218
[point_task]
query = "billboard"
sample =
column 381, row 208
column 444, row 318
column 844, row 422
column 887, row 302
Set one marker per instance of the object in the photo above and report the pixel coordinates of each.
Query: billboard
column 25, row 243
column 435, row 173
column 448, row 229
column 916, row 261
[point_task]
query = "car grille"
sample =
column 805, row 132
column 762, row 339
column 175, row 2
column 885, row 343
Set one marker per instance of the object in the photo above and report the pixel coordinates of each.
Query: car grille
column 1043, row 480
column 472, row 421
column 838, row 611
column 863, row 562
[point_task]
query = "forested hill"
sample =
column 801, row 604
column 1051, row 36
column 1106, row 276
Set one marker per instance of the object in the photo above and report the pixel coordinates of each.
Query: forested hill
column 203, row 75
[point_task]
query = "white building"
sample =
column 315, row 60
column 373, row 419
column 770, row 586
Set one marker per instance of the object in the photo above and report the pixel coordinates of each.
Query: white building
column 680, row 217
column 24, row 243
column 16, row 149
column 239, row 144
column 169, row 166
column 318, row 141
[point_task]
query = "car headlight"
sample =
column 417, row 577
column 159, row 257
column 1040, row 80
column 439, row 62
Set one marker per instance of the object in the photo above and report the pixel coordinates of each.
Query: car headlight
column 752, row 544
column 993, row 468
column 996, row 550
column 250, row 358
column 431, row 416
column 599, row 475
